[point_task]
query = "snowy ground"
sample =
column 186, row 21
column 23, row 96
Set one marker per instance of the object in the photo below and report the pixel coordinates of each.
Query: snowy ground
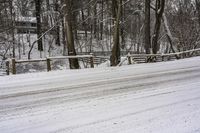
column 144, row 98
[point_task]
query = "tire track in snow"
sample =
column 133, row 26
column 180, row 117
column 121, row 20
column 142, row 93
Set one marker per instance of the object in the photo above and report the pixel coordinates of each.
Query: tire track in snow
column 100, row 82
column 126, row 115
column 92, row 91
column 18, row 104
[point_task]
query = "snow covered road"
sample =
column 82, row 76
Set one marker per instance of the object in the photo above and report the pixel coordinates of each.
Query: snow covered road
column 144, row 98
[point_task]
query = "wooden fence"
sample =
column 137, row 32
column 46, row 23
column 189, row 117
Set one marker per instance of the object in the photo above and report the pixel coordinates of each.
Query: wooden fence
column 91, row 59
column 48, row 61
column 4, row 68
column 144, row 58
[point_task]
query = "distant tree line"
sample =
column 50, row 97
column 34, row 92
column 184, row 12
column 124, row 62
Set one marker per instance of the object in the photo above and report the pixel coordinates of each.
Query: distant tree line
column 143, row 26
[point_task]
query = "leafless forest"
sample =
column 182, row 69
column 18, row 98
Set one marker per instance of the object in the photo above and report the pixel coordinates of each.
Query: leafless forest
column 40, row 28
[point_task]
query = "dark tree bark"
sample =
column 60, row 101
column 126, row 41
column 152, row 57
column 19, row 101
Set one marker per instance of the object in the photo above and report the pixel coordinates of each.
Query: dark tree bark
column 198, row 9
column 13, row 28
column 84, row 23
column 95, row 27
column 114, row 8
column 48, row 5
column 147, row 27
column 57, row 26
column 69, row 34
column 160, row 6
column 102, row 16
column 169, row 34
column 38, row 19
column 122, row 26
column 115, row 57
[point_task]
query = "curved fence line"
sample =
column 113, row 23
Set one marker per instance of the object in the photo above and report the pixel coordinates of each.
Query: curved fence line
column 137, row 58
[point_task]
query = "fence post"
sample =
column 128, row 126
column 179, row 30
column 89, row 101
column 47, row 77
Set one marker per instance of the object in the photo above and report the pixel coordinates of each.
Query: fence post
column 163, row 58
column 7, row 67
column 13, row 66
column 92, row 60
column 147, row 59
column 48, row 65
column 129, row 59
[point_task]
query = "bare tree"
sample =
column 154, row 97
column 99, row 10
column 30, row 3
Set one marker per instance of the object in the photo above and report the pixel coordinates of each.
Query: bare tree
column 39, row 28
column 160, row 6
column 147, row 27
column 197, row 2
column 69, row 34
column 115, row 57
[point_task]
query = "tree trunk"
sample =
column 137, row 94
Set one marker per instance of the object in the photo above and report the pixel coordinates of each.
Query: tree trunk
column 115, row 57
column 84, row 23
column 122, row 26
column 160, row 6
column 69, row 34
column 198, row 9
column 38, row 19
column 95, row 21
column 169, row 34
column 102, row 17
column 57, row 26
column 147, row 27
column 13, row 28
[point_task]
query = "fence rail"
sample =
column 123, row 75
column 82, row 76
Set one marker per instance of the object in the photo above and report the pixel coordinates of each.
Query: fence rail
column 91, row 59
column 144, row 58
column 2, row 72
column 48, row 61
column 4, row 67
